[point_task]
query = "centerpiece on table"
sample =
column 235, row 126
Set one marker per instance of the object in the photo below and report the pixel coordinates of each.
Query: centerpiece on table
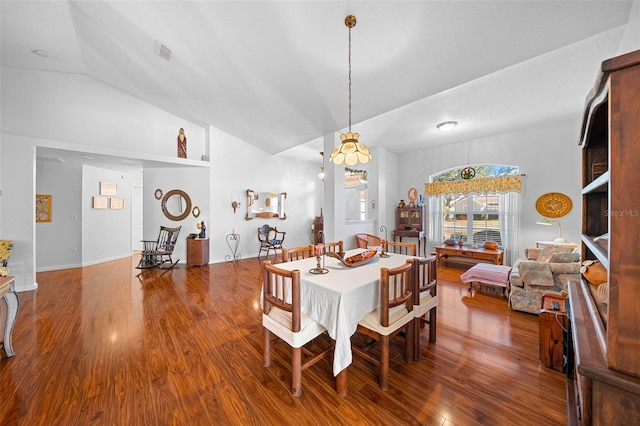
column 356, row 259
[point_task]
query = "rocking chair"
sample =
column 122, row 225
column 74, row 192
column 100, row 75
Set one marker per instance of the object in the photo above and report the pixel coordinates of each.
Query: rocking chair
column 158, row 253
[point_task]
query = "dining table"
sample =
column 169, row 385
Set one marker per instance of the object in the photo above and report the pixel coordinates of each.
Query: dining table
column 340, row 298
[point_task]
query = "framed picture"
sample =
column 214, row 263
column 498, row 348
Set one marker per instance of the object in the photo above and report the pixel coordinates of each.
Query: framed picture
column 43, row 208
column 108, row 188
column 116, row 203
column 100, row 202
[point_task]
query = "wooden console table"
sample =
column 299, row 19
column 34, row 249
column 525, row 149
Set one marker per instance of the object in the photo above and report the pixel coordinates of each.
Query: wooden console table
column 464, row 254
column 8, row 312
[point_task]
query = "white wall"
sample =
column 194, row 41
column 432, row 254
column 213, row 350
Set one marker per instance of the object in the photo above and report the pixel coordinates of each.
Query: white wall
column 193, row 181
column 631, row 37
column 78, row 110
column 18, row 158
column 548, row 154
column 237, row 166
column 77, row 113
column 106, row 233
column 59, row 242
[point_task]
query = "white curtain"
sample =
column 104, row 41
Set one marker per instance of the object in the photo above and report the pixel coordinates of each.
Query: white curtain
column 435, row 221
column 509, row 225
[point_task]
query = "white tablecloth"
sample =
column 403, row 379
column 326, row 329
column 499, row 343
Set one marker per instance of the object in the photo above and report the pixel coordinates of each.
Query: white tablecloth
column 342, row 297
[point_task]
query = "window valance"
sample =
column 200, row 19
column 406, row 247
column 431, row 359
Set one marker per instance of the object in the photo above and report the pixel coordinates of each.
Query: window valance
column 501, row 184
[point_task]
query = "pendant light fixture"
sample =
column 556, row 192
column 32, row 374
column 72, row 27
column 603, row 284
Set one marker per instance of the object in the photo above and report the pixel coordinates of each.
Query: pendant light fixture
column 350, row 151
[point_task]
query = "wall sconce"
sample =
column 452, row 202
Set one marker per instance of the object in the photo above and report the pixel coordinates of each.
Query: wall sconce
column 373, row 204
column 235, row 205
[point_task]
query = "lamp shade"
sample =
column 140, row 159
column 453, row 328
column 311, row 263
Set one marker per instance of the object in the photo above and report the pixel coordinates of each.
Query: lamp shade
column 548, row 222
column 350, row 151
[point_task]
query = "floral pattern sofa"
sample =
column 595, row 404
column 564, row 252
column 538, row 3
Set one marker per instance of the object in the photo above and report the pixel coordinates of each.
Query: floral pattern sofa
column 542, row 270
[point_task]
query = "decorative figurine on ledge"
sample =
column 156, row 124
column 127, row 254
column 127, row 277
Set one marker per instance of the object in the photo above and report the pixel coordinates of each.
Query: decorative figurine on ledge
column 202, row 229
column 182, row 144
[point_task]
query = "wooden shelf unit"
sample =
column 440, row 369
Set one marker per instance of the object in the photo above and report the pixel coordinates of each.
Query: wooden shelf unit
column 603, row 385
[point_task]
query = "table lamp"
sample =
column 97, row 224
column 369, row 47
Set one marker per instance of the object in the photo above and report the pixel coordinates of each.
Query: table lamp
column 548, row 222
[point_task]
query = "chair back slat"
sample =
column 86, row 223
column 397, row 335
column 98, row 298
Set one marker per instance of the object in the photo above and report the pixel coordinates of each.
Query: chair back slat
column 396, row 288
column 408, row 249
column 297, row 253
column 426, row 277
column 167, row 238
column 281, row 288
column 334, row 246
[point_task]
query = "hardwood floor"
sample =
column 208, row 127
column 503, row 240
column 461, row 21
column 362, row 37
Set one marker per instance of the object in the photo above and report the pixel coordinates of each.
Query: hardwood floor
column 104, row 345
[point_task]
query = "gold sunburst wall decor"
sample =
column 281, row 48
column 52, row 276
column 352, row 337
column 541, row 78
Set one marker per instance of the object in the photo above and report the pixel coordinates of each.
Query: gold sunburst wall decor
column 554, row 205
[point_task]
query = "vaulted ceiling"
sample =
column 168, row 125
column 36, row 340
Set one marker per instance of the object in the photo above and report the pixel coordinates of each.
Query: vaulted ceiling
column 274, row 73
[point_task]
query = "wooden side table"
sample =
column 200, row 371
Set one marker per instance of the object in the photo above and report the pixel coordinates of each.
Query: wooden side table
column 468, row 255
column 552, row 329
column 197, row 251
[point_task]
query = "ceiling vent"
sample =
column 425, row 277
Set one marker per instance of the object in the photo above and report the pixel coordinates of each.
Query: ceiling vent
column 164, row 52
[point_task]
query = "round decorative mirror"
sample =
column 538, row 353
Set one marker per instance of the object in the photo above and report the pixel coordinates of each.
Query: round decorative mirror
column 176, row 205
column 196, row 211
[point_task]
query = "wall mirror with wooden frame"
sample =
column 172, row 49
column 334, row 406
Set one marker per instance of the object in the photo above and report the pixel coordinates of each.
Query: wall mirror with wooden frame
column 265, row 205
column 176, row 205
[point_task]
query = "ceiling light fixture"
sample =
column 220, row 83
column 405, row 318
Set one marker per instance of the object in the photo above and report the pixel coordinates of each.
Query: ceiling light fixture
column 350, row 151
column 40, row 52
column 445, row 126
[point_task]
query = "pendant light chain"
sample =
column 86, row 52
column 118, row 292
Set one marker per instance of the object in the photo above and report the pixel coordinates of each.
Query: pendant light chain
column 349, row 79
column 350, row 151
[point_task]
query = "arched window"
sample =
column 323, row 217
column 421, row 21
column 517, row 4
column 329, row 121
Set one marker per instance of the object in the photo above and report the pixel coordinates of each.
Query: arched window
column 476, row 203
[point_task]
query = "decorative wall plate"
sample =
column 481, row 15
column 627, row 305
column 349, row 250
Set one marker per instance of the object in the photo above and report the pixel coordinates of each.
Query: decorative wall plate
column 553, row 204
column 413, row 194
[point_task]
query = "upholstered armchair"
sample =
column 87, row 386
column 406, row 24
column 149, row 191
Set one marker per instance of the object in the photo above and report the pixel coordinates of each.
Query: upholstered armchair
column 541, row 270
column 368, row 241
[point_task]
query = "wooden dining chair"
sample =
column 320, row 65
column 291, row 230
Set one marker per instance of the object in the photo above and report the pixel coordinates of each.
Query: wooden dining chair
column 425, row 299
column 408, row 249
column 283, row 320
column 334, row 246
column 394, row 315
column 297, row 253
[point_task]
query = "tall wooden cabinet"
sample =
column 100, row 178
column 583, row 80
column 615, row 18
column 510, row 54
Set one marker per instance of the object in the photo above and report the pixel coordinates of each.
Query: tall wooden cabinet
column 409, row 222
column 603, row 386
